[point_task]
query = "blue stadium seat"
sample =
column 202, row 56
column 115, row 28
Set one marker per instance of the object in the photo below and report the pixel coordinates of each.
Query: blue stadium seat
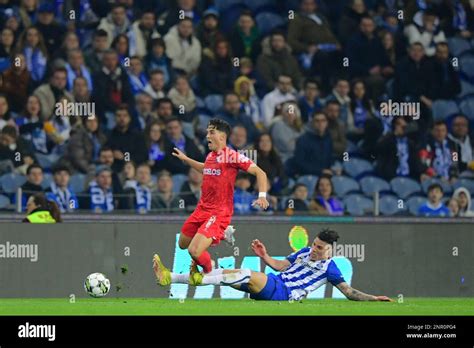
column 343, row 185
column 357, row 166
column 267, row 21
column 257, row 6
column 178, row 181
column 47, row 180
column 203, row 121
column 4, row 201
column 10, row 182
column 467, row 183
column 458, row 45
column 444, row 108
column 466, row 64
column 467, row 106
column 404, row 187
column 77, row 183
column 224, row 5
column 357, row 204
column 388, row 205
column 309, row 181
column 447, row 189
column 214, row 102
column 467, row 88
column 200, row 103
column 414, row 203
column 371, row 184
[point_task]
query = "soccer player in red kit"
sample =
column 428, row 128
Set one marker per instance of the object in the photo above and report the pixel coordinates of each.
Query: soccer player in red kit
column 206, row 225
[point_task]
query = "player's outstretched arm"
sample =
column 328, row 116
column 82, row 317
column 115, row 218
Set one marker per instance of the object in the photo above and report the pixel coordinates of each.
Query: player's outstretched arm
column 260, row 250
column 356, row 295
column 199, row 166
column 261, row 184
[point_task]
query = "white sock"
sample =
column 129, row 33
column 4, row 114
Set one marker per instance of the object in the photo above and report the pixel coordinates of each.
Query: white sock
column 240, row 277
column 180, row 278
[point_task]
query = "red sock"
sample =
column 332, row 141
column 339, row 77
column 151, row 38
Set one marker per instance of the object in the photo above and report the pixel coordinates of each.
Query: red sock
column 204, row 260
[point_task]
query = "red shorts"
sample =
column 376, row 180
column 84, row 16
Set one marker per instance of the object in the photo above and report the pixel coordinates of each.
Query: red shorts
column 207, row 224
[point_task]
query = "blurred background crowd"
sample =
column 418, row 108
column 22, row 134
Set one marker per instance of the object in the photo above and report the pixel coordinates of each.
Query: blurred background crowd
column 301, row 83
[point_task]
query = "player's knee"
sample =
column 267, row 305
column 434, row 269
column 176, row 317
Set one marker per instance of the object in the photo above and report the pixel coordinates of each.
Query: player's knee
column 194, row 251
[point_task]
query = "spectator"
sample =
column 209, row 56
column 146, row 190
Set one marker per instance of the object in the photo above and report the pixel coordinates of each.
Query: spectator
column 208, row 32
column 311, row 38
column 446, row 79
column 249, row 101
column 396, row 153
column 34, row 179
column 18, row 152
column 121, row 45
column 313, row 151
column 75, row 68
column 101, row 196
column 340, row 93
column 238, row 138
column 463, row 196
column 184, row 101
column 31, row 45
column 141, row 33
column 245, row 37
column 350, row 21
column 309, row 102
column 298, row 200
column 453, row 206
column 425, row 31
column 174, row 133
column 80, row 91
column 367, row 57
column 156, row 85
column 336, row 128
column 127, row 144
column 434, row 206
column 144, row 113
column 323, row 202
column 461, row 136
column 70, row 43
column 51, row 93
column 437, row 154
column 283, row 92
column 140, row 189
column 233, row 115
column 111, row 88
column 7, row 40
column 170, row 18
column 391, row 52
column 14, row 83
column 276, row 60
column 93, row 56
column 106, row 159
column 164, row 109
column 60, row 192
column 51, row 30
column 190, row 192
column 84, row 146
column 136, row 75
column 5, row 114
column 285, row 129
column 165, row 199
column 157, row 59
column 216, row 69
column 242, row 198
column 115, row 23
column 183, row 48
column 246, row 69
column 156, row 144
column 271, row 163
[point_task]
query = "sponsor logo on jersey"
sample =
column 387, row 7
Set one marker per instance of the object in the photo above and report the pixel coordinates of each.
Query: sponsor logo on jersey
column 212, row 171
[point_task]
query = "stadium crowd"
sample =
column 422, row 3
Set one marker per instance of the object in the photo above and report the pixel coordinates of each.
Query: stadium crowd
column 300, row 82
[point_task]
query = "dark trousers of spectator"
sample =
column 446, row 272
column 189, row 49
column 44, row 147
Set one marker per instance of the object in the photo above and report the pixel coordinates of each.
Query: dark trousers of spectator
column 329, row 67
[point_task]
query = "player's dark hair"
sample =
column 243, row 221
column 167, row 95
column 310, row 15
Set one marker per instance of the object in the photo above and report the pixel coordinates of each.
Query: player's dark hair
column 435, row 186
column 329, row 236
column 220, row 125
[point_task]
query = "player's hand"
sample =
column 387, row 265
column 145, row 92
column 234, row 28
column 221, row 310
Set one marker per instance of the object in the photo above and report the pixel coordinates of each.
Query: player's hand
column 180, row 154
column 258, row 248
column 261, row 202
column 384, row 299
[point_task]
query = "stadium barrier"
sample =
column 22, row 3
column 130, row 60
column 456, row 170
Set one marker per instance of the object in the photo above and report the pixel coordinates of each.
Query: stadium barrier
column 399, row 259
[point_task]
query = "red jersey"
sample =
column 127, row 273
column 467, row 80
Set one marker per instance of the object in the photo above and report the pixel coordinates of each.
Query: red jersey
column 220, row 170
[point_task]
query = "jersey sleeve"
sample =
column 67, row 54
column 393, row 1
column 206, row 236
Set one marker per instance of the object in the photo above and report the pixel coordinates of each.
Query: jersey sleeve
column 242, row 162
column 292, row 257
column 334, row 275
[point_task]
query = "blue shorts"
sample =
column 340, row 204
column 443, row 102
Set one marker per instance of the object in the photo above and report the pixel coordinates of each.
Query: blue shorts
column 274, row 290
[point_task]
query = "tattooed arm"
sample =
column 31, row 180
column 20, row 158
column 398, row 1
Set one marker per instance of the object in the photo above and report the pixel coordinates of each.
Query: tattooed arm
column 356, row 295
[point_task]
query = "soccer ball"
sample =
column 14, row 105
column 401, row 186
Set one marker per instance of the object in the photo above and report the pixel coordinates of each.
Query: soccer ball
column 97, row 285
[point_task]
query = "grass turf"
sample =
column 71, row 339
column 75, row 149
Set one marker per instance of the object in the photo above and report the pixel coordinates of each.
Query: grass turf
column 153, row 306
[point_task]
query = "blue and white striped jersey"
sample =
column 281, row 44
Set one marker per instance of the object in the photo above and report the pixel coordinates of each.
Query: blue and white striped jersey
column 304, row 276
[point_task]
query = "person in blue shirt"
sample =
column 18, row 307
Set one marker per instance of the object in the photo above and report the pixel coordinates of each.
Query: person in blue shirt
column 60, row 191
column 301, row 273
column 242, row 198
column 434, row 206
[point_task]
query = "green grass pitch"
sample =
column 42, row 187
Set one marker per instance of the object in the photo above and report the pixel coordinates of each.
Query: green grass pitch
column 153, row 306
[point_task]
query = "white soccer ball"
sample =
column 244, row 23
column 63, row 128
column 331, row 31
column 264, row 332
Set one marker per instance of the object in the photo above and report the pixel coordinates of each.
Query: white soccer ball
column 97, row 285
